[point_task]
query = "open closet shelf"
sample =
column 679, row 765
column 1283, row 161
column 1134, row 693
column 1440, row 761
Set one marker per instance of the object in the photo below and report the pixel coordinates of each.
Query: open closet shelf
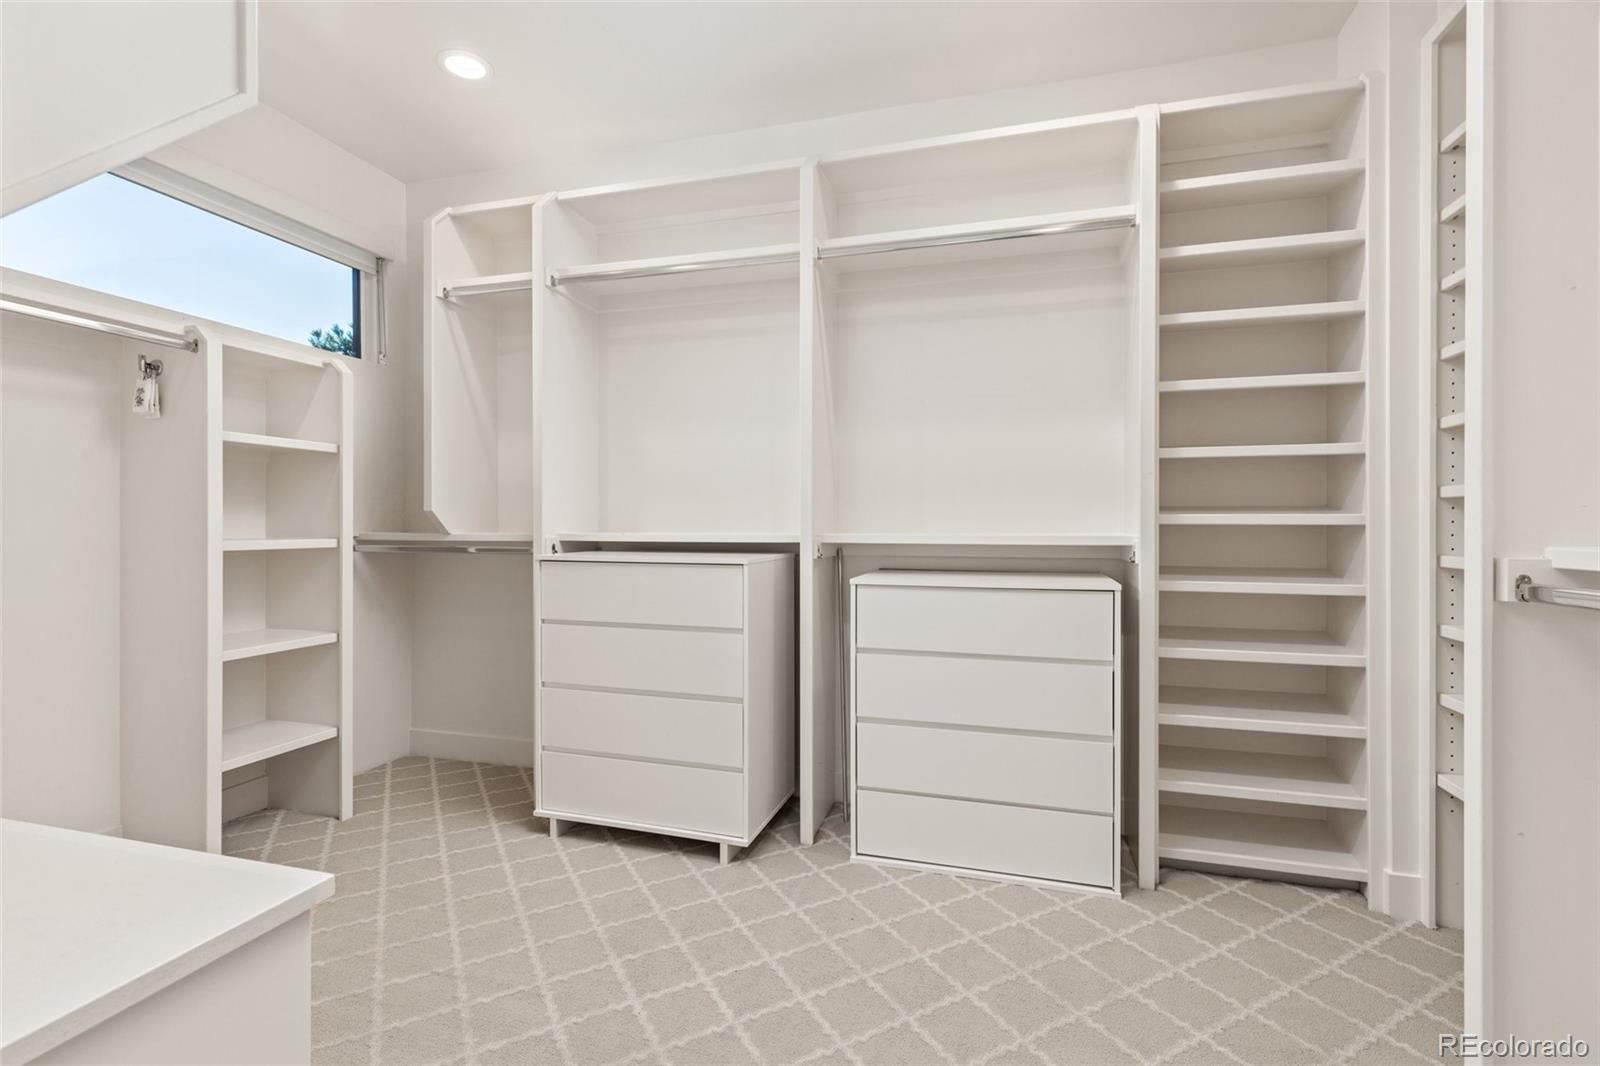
column 1266, row 581
column 1264, row 316
column 1307, row 847
column 250, row 643
column 1307, row 780
column 1032, row 235
column 1262, row 516
column 262, row 740
column 652, row 537
column 985, row 540
column 1319, row 379
column 1452, row 703
column 1456, row 421
column 1453, row 351
column 1453, row 281
column 1260, row 186
column 1289, row 646
column 1453, row 784
column 485, row 284
column 1299, row 713
column 264, row 442
column 1452, row 492
column 1260, row 251
column 1454, row 209
column 467, row 543
column 1452, row 562
column 1573, row 558
column 1456, row 138
column 1263, row 451
column 279, row 544
column 767, row 263
column 1455, row 633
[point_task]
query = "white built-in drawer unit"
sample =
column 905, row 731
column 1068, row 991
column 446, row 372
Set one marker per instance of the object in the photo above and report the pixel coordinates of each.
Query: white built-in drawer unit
column 666, row 694
column 984, row 724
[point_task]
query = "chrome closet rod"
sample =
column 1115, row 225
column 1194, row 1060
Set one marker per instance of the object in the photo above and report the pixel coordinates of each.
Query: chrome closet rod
column 1044, row 229
column 1529, row 592
column 563, row 277
column 149, row 336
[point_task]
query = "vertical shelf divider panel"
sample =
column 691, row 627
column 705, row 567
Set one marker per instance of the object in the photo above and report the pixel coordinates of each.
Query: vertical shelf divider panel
column 1268, row 622
column 1141, row 752
column 285, row 651
column 1453, row 424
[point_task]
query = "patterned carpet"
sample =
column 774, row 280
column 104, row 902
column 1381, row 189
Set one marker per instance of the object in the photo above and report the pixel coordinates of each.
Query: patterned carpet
column 461, row 933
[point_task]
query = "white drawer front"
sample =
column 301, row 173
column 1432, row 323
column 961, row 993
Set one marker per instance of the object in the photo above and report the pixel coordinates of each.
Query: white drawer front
column 1022, row 841
column 1022, row 622
column 1000, row 693
column 682, row 661
column 651, row 727
column 999, row 767
column 643, row 793
column 666, row 594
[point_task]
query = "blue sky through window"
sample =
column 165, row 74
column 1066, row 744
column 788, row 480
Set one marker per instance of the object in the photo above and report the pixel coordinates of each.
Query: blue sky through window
column 115, row 236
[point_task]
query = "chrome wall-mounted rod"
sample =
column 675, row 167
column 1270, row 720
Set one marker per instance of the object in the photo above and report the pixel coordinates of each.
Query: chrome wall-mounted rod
column 100, row 325
column 1529, row 592
column 506, row 283
column 559, row 278
column 942, row 240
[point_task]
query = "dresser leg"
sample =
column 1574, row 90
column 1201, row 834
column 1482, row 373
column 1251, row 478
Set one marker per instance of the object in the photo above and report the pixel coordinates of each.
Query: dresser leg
column 557, row 827
column 726, row 852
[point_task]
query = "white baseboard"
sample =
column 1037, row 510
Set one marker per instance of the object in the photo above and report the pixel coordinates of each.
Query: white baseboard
column 1405, row 896
column 247, row 797
column 472, row 747
column 110, row 831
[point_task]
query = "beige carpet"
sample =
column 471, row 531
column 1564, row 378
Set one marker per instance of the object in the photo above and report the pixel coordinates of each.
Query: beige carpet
column 461, row 933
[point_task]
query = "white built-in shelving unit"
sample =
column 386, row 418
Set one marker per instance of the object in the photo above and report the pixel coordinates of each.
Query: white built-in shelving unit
column 1261, row 720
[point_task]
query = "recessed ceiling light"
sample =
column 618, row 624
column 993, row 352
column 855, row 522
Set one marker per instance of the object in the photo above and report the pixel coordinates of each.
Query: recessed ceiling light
column 464, row 64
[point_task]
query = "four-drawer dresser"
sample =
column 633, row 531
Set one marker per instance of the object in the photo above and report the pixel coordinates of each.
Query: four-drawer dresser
column 666, row 692
column 984, row 724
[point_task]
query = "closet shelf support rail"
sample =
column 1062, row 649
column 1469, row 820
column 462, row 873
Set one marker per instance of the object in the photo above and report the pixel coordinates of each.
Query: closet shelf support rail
column 100, row 325
column 1530, row 592
column 942, row 240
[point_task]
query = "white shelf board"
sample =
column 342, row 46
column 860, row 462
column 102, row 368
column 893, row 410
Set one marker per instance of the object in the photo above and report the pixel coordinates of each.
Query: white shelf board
column 1253, row 775
column 1452, row 703
column 1452, row 492
column 1455, row 633
column 1307, row 847
column 486, row 284
column 984, row 540
column 1456, row 138
column 1285, row 314
column 1101, row 227
column 1262, row 516
column 1456, row 421
column 1298, row 713
column 654, row 537
column 1454, row 209
column 262, row 740
column 1574, row 558
column 278, row 544
column 773, row 262
column 1298, row 182
column 1454, row 280
column 1453, row 785
column 1287, row 646
column 1260, row 251
column 1226, row 125
column 248, row 644
column 1452, row 562
column 1263, row 451
column 1453, row 351
column 1264, row 581
column 1319, row 379
column 263, row 442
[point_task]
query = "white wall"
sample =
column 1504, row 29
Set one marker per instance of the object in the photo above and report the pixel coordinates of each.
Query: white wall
column 61, row 418
column 1544, row 490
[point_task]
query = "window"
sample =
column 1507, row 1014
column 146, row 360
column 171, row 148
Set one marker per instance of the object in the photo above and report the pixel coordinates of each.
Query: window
column 160, row 238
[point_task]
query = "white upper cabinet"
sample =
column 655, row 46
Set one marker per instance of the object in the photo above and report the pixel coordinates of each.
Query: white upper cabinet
column 89, row 87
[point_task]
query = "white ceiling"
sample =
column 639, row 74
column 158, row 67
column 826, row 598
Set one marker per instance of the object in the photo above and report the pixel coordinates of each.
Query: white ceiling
column 599, row 76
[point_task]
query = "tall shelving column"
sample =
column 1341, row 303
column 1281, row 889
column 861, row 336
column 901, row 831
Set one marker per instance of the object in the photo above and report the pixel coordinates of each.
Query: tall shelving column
column 1455, row 616
column 1266, row 613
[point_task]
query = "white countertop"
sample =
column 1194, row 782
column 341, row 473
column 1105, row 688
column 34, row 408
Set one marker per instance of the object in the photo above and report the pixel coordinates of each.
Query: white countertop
column 91, row 925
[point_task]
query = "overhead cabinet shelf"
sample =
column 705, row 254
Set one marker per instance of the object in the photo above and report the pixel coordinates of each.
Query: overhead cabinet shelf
column 1264, row 451
column 1263, row 776
column 1260, row 251
column 266, row 443
column 1302, row 181
column 1032, row 235
column 1319, row 379
column 1284, row 582
column 1303, row 847
column 250, row 644
column 1286, row 646
column 253, row 743
column 740, row 265
column 1297, row 713
column 1263, row 316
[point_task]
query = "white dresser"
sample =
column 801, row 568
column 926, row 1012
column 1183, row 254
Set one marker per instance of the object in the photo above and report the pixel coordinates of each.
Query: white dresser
column 666, row 692
column 985, row 724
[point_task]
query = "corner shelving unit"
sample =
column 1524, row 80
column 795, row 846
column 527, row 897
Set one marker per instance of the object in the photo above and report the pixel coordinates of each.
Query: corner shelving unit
column 287, row 471
column 1261, row 722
